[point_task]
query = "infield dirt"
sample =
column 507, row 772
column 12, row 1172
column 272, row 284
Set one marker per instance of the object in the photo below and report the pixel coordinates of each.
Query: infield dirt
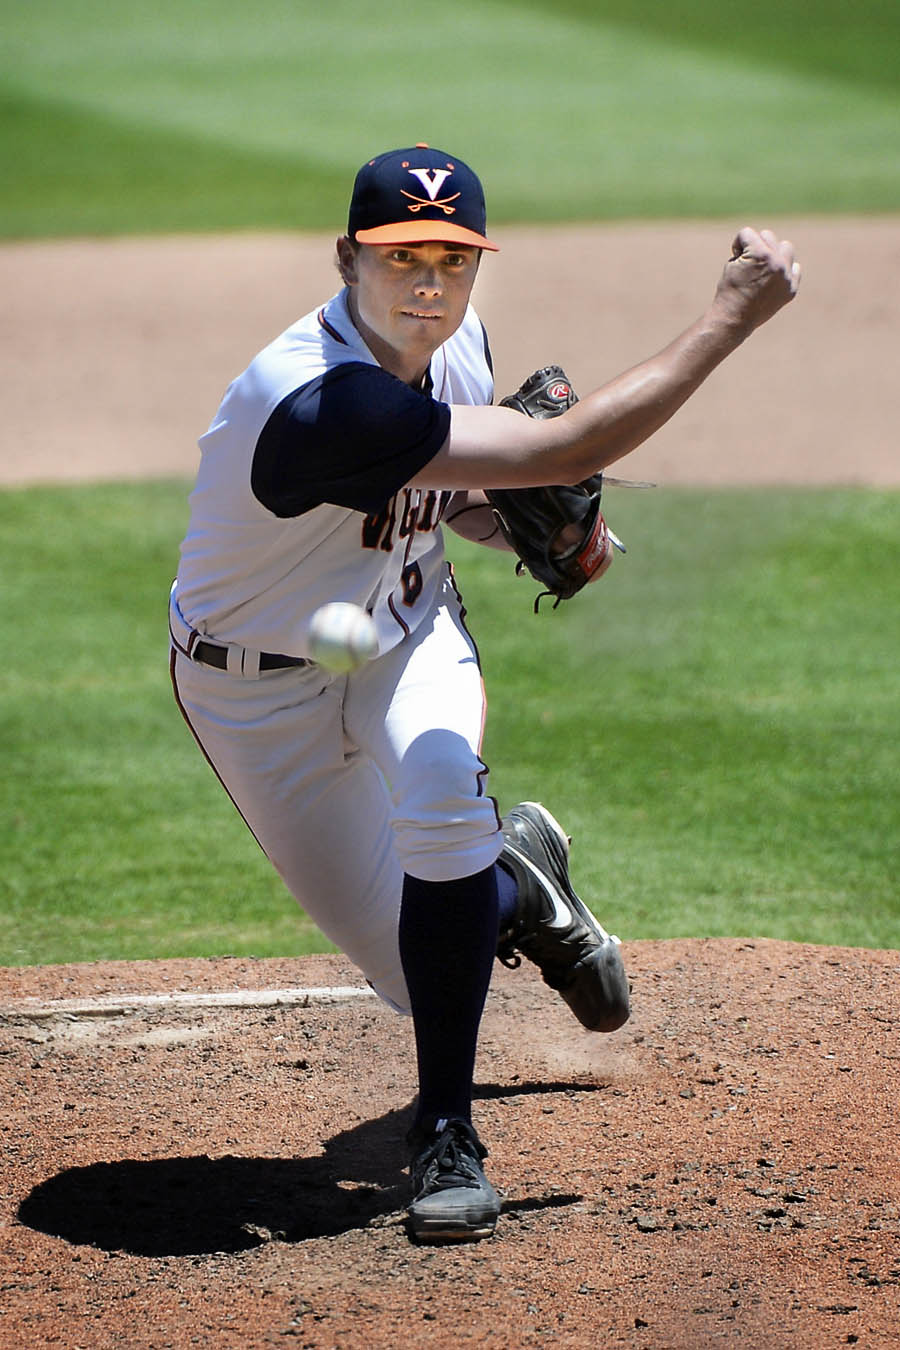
column 723, row 1169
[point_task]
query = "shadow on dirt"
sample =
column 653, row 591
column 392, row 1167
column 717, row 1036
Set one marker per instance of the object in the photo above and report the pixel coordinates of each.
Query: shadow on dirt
column 484, row 1092
column 198, row 1205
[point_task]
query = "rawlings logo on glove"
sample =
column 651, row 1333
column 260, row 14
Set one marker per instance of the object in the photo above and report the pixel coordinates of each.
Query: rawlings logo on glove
column 558, row 533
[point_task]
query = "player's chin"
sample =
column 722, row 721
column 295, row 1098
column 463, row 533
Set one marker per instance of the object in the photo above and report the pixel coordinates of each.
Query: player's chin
column 423, row 335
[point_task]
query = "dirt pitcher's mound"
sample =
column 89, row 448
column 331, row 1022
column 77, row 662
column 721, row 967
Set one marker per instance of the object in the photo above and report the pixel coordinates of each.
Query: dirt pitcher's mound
column 187, row 1165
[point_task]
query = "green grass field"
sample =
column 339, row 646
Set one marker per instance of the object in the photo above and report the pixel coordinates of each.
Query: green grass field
column 715, row 722
column 205, row 116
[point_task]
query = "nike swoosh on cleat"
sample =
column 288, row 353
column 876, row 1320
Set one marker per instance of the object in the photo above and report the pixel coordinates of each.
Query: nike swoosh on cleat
column 562, row 915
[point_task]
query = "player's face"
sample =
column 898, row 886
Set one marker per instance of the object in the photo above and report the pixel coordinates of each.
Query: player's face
column 406, row 299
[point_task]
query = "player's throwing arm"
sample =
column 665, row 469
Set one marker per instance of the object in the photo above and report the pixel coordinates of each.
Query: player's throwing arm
column 495, row 448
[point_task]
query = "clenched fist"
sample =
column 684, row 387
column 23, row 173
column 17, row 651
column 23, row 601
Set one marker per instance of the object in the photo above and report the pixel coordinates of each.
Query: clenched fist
column 759, row 279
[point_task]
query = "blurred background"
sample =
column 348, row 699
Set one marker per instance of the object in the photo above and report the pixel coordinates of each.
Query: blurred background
column 194, row 115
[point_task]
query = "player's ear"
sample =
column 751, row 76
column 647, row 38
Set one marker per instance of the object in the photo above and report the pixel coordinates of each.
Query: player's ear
column 347, row 253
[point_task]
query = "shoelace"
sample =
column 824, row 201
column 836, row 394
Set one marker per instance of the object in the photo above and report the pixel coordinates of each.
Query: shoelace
column 450, row 1162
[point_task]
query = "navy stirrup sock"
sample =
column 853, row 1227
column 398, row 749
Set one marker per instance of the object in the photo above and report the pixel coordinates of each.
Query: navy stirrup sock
column 507, row 897
column 448, row 941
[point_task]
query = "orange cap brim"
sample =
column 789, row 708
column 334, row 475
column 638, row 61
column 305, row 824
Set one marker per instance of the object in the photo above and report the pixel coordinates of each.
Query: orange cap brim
column 424, row 232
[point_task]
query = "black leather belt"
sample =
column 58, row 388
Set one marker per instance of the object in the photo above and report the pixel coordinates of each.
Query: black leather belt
column 212, row 655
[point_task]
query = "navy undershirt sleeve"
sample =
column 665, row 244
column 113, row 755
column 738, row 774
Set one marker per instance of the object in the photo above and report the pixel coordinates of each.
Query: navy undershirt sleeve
column 352, row 437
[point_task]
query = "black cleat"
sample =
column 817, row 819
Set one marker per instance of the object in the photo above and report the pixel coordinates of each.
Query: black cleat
column 453, row 1199
column 555, row 929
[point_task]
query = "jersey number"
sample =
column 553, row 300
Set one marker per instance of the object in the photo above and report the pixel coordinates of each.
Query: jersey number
column 411, row 583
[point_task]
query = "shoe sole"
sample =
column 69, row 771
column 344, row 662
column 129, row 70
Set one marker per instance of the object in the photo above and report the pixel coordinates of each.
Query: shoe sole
column 614, row 1010
column 479, row 1222
column 447, row 1233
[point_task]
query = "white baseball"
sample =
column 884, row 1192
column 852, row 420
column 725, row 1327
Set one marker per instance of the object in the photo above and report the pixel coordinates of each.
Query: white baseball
column 342, row 637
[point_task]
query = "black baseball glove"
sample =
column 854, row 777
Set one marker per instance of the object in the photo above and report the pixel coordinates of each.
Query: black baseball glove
column 558, row 533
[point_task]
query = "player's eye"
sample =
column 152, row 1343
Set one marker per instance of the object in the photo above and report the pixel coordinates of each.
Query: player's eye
column 400, row 255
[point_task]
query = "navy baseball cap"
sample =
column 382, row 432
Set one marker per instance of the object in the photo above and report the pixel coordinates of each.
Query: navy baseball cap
column 415, row 196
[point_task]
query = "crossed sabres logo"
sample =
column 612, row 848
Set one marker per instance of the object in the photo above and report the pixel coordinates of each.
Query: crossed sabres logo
column 432, row 181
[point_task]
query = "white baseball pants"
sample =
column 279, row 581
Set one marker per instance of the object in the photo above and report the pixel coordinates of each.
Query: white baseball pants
column 348, row 781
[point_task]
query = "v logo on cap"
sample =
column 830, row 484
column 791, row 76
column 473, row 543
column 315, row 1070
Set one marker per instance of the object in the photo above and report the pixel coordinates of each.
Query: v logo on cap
column 432, row 180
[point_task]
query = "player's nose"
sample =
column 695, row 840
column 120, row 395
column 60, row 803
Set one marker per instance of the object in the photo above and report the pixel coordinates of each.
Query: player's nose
column 428, row 282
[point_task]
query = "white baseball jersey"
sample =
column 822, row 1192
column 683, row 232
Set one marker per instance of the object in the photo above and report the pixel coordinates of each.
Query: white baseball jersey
column 300, row 497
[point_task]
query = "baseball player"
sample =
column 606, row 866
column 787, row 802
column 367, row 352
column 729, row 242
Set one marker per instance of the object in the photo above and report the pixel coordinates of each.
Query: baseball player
column 328, row 473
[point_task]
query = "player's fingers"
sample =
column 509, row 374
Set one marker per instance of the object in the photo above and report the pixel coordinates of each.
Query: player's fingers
column 750, row 244
column 743, row 240
column 791, row 268
column 783, row 261
column 749, row 240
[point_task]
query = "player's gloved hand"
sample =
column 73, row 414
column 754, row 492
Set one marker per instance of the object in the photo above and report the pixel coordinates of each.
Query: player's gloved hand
column 558, row 533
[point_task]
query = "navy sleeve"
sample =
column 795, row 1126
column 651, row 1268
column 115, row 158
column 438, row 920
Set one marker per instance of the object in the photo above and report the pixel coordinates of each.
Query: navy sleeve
column 352, row 437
